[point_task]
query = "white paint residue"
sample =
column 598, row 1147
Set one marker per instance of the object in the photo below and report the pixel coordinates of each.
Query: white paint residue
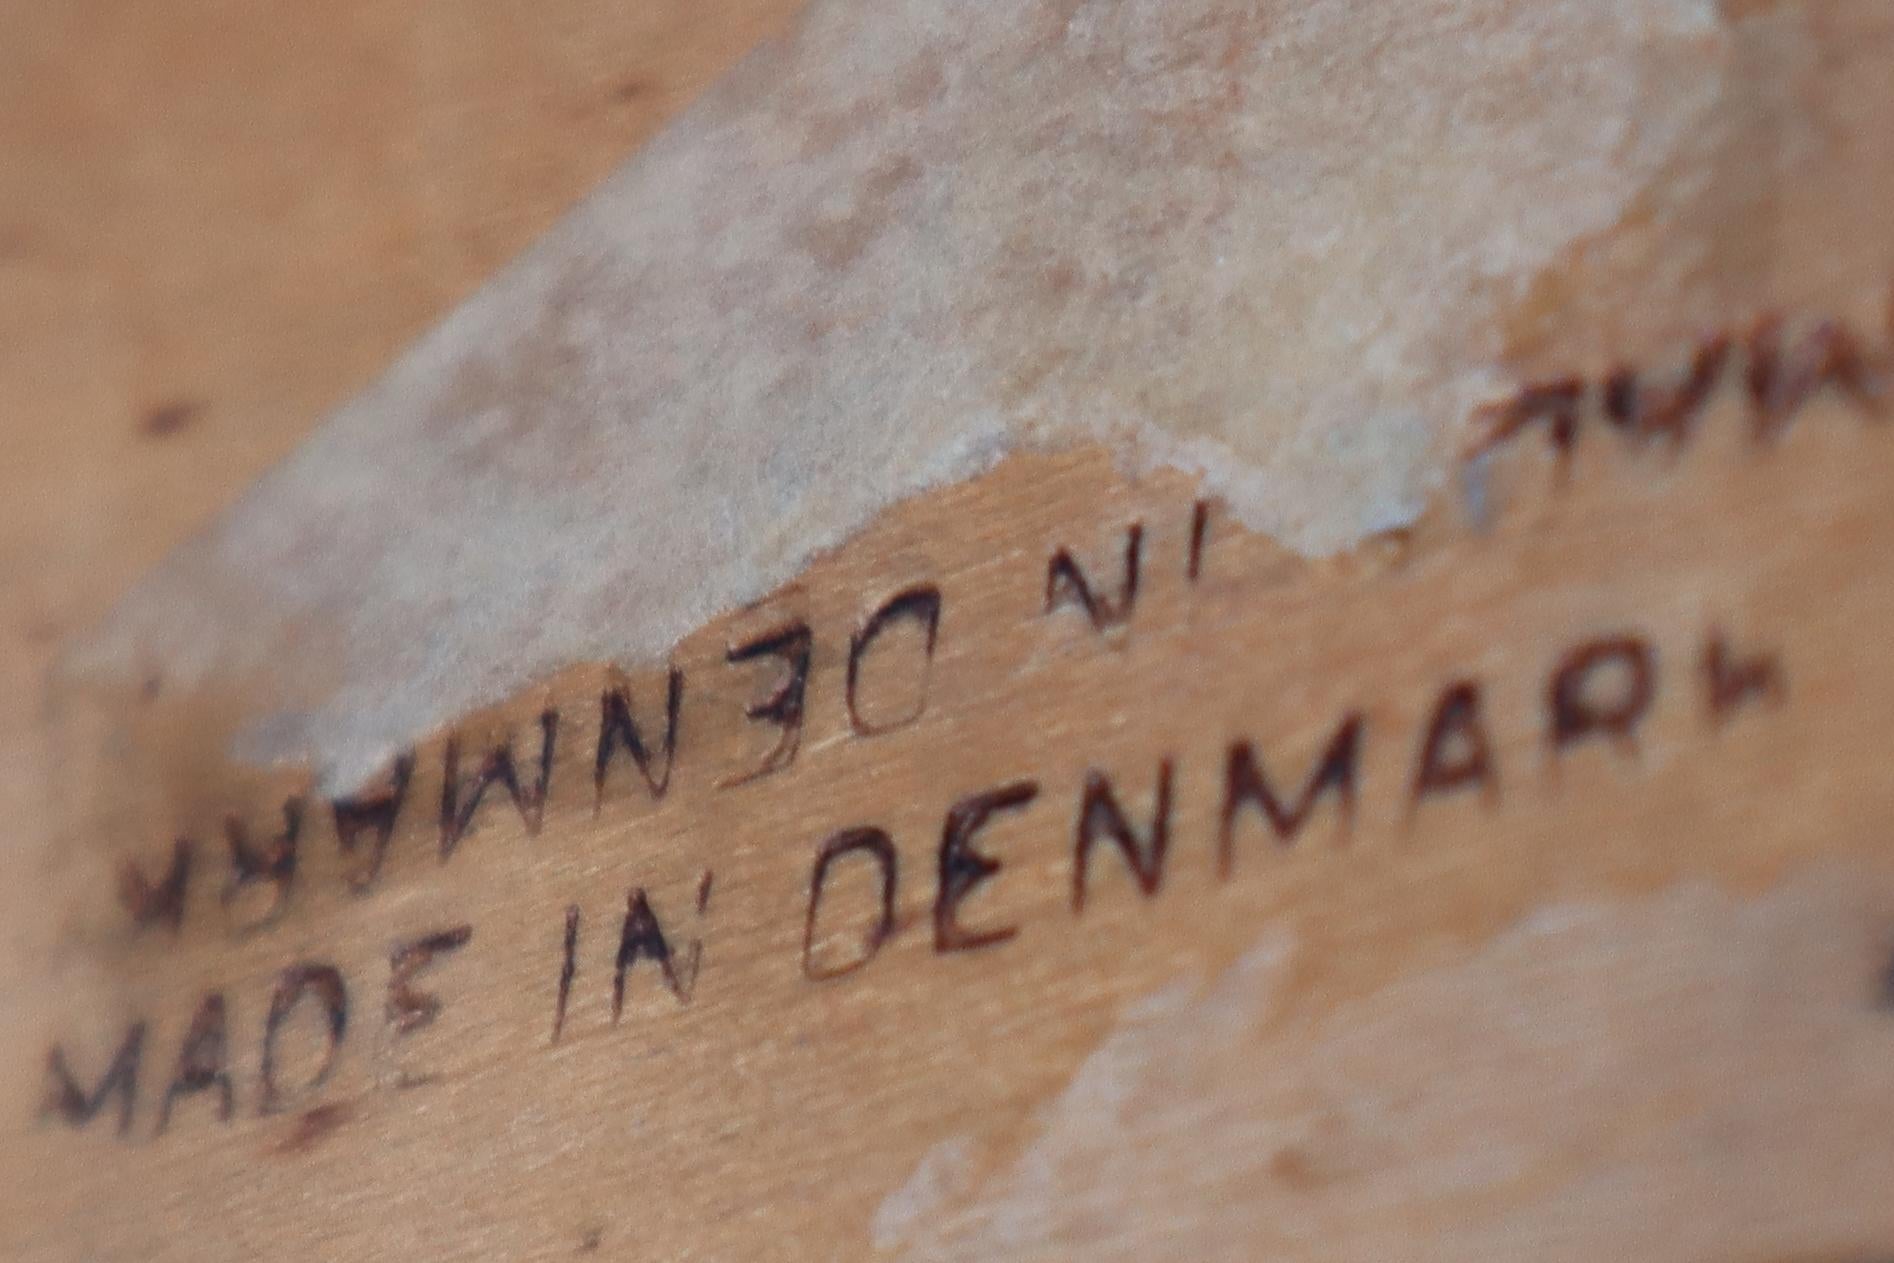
column 1264, row 242
column 1600, row 1082
column 944, row 1175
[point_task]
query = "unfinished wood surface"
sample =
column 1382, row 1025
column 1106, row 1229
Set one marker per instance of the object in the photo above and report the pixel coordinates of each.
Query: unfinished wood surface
column 218, row 222
column 1517, row 879
column 1056, row 869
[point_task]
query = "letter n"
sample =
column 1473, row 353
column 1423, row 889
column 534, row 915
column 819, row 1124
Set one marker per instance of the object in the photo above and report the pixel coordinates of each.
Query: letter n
column 1066, row 584
column 1100, row 816
column 618, row 728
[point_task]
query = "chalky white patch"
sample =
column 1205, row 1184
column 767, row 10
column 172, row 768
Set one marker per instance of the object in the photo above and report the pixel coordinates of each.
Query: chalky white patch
column 1261, row 242
column 943, row 1175
column 1595, row 1083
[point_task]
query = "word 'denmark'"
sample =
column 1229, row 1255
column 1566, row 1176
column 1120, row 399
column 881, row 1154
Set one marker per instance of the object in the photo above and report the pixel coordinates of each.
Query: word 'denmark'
column 262, row 871
column 1600, row 692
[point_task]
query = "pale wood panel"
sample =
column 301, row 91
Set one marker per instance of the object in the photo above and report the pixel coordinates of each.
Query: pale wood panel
column 1599, row 994
column 218, row 221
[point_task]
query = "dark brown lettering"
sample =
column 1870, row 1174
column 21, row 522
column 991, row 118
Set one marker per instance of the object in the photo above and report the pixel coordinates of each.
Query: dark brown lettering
column 78, row 1107
column 1100, row 816
column 1782, row 380
column 408, row 1009
column 1580, row 706
column 269, row 866
column 203, row 1062
column 962, row 867
column 1246, row 783
column 459, row 803
column 324, row 982
column 1455, row 753
column 919, row 605
column 1644, row 412
column 643, row 938
column 877, row 846
column 1554, row 404
column 1733, row 680
column 568, row 969
column 1199, row 536
column 160, row 902
column 1066, row 584
column 375, row 811
column 794, row 644
column 617, row 728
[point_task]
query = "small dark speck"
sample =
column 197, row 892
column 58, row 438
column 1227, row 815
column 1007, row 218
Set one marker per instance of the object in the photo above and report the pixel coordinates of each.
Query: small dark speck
column 169, row 418
column 154, row 684
column 632, row 90
column 42, row 630
column 312, row 1127
column 1884, row 987
column 591, row 1241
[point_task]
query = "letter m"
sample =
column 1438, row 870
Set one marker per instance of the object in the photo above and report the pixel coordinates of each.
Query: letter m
column 1247, row 784
column 73, row 1103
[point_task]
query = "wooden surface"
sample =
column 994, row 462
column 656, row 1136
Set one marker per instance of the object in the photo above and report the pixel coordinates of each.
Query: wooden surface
column 1581, row 929
column 218, row 222
column 1581, row 949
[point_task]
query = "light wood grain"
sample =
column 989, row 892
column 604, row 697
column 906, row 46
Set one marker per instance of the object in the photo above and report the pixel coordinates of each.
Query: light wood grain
column 1718, row 854
column 1539, row 986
